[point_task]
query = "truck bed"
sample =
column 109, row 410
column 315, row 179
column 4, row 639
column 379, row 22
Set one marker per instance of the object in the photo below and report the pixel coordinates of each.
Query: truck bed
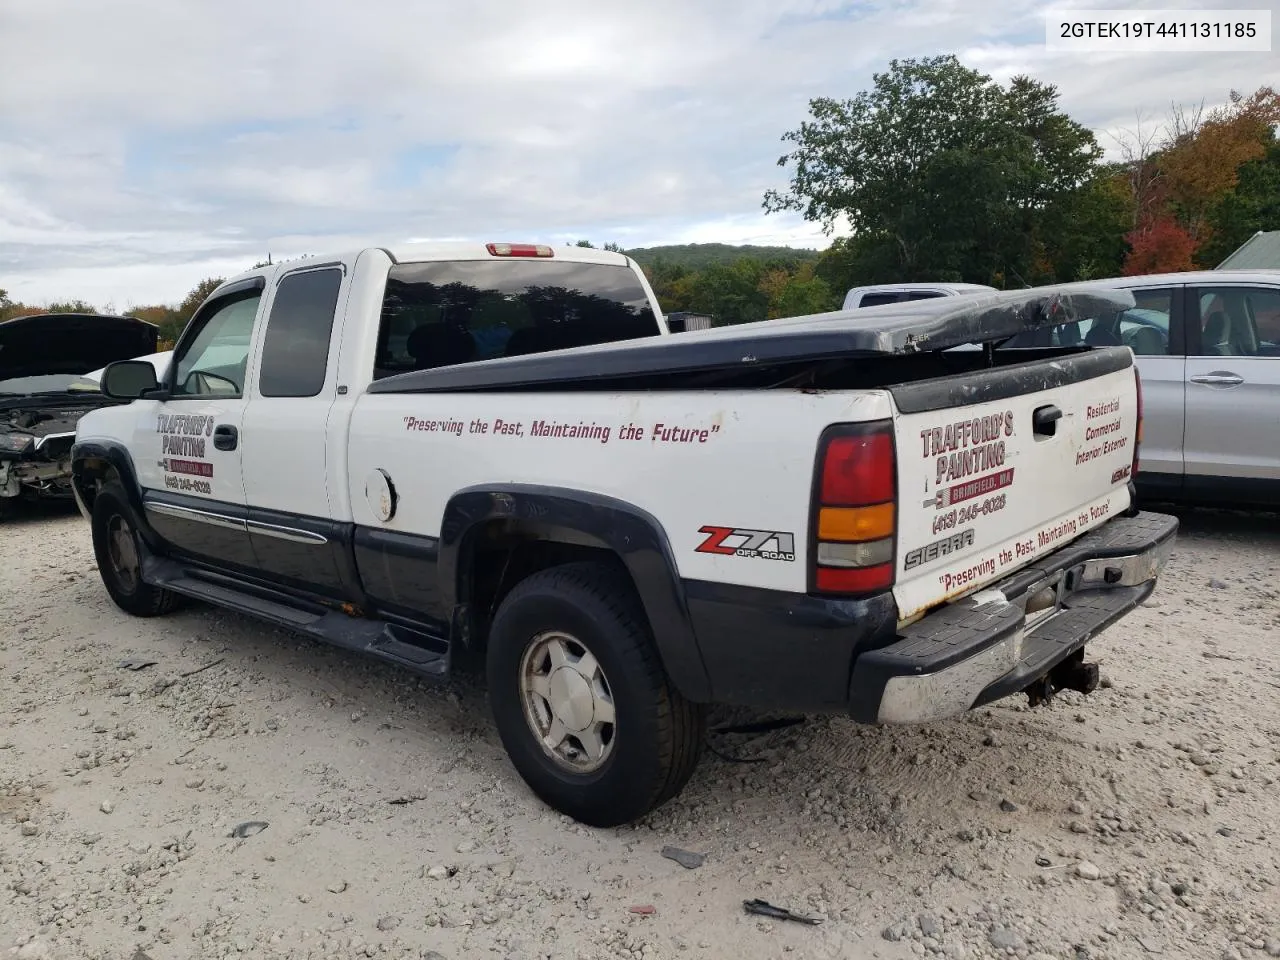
column 907, row 339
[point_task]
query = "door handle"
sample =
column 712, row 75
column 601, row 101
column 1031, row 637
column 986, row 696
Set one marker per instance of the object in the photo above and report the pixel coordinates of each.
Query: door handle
column 225, row 437
column 1044, row 421
column 1218, row 379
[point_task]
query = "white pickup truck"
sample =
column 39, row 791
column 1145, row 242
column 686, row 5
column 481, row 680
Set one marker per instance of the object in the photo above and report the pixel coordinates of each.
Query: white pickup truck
column 436, row 453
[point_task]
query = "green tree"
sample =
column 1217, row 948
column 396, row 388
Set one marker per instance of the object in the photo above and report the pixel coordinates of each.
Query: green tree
column 199, row 293
column 730, row 292
column 1252, row 206
column 941, row 172
column 665, row 278
column 803, row 293
column 1082, row 236
column 173, row 320
column 71, row 306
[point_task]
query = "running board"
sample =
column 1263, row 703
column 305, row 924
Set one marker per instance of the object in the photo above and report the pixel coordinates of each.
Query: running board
column 418, row 651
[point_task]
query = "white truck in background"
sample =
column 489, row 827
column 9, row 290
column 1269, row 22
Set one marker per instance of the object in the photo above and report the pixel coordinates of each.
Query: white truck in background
column 878, row 294
column 493, row 453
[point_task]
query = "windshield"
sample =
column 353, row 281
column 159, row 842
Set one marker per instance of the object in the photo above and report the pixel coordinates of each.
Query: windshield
column 48, row 383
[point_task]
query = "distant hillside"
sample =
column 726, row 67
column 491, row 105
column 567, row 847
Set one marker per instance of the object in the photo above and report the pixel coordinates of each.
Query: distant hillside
column 699, row 256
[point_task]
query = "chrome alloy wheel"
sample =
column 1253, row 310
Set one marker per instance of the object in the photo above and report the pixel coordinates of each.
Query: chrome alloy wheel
column 568, row 703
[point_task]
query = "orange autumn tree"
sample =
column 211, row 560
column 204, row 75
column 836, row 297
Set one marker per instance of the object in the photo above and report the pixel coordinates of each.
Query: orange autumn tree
column 1161, row 246
column 1176, row 186
column 1203, row 163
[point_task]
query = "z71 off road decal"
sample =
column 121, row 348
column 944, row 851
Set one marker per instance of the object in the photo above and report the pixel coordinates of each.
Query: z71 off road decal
column 738, row 542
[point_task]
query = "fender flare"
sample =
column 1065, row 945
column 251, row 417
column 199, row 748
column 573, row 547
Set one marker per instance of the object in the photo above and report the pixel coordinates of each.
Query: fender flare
column 632, row 534
column 118, row 457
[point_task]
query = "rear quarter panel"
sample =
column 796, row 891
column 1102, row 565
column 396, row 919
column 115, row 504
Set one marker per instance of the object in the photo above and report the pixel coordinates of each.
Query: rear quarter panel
column 743, row 460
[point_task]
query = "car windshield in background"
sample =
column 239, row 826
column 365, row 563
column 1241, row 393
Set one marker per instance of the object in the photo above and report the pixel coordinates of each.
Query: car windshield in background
column 47, row 383
column 445, row 312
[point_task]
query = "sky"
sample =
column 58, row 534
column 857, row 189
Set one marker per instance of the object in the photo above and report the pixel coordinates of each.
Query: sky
column 148, row 144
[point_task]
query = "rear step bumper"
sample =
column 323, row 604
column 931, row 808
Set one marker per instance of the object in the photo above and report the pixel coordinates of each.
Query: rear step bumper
column 1007, row 637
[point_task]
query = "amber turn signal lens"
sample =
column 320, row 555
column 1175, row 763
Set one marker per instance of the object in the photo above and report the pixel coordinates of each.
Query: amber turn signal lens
column 856, row 523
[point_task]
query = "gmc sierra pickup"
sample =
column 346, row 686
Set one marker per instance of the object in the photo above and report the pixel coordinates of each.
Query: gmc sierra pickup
column 436, row 453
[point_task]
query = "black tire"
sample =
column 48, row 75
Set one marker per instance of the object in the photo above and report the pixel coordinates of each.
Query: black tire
column 114, row 521
column 657, row 734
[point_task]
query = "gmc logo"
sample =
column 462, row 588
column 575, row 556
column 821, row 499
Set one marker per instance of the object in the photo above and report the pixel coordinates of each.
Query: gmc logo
column 738, row 542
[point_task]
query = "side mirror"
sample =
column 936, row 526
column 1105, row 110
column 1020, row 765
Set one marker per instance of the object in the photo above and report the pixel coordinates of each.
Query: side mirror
column 128, row 379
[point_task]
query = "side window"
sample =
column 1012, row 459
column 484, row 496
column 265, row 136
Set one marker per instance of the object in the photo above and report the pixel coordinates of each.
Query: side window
column 212, row 363
column 1239, row 321
column 295, row 351
column 876, row 299
column 1144, row 328
column 922, row 294
column 1263, row 304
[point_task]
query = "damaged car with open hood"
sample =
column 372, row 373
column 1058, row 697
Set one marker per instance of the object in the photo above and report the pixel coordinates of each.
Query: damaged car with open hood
column 44, row 392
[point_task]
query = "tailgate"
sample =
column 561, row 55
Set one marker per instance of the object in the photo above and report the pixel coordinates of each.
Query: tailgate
column 1001, row 466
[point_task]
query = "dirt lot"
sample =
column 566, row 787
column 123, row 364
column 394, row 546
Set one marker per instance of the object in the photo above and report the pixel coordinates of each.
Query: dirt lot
column 1140, row 820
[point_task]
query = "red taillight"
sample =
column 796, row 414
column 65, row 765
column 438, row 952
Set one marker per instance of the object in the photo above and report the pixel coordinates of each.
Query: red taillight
column 854, row 511
column 519, row 250
column 1137, row 439
column 853, row 473
column 855, row 580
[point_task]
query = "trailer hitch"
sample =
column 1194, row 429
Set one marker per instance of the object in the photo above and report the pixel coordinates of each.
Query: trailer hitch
column 1072, row 674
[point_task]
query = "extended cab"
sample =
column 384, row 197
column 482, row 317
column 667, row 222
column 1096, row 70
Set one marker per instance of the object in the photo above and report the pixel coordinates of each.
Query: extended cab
column 437, row 453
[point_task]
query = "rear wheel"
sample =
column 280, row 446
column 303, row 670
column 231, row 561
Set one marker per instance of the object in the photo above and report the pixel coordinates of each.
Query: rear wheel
column 581, row 701
column 119, row 554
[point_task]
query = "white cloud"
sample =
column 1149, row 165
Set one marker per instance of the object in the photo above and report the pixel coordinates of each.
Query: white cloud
column 146, row 144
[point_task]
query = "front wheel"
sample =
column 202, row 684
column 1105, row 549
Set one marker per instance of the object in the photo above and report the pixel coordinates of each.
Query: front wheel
column 119, row 554
column 581, row 701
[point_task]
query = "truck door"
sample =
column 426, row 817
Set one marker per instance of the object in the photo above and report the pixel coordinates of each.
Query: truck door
column 296, row 534
column 186, row 446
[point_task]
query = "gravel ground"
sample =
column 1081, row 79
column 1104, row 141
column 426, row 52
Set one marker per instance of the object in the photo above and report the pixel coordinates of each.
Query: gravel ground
column 1137, row 821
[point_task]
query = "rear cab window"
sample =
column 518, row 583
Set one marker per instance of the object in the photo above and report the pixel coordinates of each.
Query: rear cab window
column 439, row 313
column 876, row 299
